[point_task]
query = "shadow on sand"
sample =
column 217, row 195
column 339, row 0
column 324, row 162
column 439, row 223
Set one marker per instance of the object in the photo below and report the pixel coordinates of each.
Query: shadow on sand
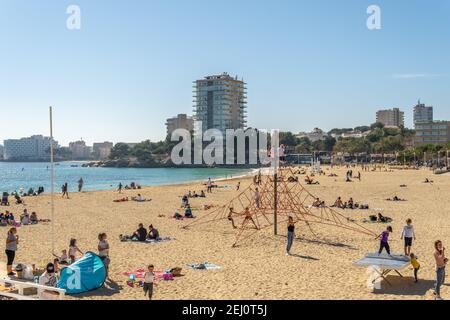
column 109, row 289
column 405, row 286
column 304, row 257
column 326, row 242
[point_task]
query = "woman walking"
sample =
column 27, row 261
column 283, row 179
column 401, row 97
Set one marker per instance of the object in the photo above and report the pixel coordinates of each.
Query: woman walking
column 441, row 261
column 12, row 240
column 290, row 235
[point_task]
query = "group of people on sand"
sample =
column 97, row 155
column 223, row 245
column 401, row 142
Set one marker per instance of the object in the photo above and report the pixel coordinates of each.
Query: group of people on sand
column 350, row 204
column 142, row 235
column 66, row 258
column 196, row 195
column 408, row 235
column 26, row 218
column 349, row 176
column 132, row 186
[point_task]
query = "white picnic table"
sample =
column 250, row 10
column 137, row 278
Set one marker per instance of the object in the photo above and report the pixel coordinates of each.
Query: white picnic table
column 383, row 264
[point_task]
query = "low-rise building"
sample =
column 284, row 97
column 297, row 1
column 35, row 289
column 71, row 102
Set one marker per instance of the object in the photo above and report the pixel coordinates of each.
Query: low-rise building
column 315, row 135
column 432, row 132
column 80, row 151
column 102, row 150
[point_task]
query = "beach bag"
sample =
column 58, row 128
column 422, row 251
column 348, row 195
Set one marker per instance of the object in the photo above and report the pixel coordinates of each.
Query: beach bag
column 373, row 218
column 167, row 277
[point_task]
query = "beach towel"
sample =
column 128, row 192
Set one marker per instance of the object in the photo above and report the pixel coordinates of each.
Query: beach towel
column 203, row 266
column 140, row 274
column 152, row 241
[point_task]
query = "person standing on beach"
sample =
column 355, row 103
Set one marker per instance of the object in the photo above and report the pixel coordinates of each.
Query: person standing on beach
column 290, row 235
column 257, row 198
column 441, row 261
column 209, row 186
column 120, row 187
column 64, row 190
column 103, row 251
column 408, row 234
column 12, row 240
column 384, row 236
column 148, row 282
column 80, row 184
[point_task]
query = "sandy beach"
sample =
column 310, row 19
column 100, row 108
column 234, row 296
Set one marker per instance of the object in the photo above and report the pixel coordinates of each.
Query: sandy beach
column 320, row 268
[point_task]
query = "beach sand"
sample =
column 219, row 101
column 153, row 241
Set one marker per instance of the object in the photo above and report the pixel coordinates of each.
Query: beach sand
column 320, row 268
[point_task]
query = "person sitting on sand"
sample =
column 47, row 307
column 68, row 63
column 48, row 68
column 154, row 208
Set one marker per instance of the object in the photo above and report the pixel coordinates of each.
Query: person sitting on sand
column 25, row 217
column 195, row 195
column 178, row 216
column 383, row 219
column 189, row 194
column 202, row 194
column 3, row 220
column 293, row 179
column 33, row 218
column 238, row 186
column 19, row 200
column 10, row 219
column 188, row 212
column 139, row 198
column 153, row 233
column 230, row 217
column 184, row 201
column 338, row 203
column 310, row 181
column 350, row 204
column 318, row 203
column 141, row 233
column 48, row 279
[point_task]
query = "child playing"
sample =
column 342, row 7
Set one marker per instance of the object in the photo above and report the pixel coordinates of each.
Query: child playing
column 148, row 282
column 384, row 236
column 64, row 258
column 416, row 265
column 408, row 234
column 73, row 249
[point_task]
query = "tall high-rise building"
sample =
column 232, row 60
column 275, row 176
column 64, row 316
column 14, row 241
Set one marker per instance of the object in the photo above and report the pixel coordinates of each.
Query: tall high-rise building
column 181, row 121
column 391, row 118
column 32, row 148
column 422, row 113
column 220, row 102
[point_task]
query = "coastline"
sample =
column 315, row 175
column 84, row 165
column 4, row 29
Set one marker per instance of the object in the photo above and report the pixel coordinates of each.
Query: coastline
column 257, row 269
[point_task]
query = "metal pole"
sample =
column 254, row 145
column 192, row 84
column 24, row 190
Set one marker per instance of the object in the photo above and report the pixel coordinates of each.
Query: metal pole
column 275, row 199
column 52, row 183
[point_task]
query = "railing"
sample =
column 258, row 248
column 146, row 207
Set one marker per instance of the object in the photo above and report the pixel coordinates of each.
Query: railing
column 20, row 286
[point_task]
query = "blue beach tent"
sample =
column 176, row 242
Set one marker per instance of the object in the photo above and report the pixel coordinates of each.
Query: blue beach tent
column 86, row 274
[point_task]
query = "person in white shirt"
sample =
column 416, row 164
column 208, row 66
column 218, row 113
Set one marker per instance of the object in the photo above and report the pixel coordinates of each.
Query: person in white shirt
column 408, row 234
column 49, row 279
column 148, row 282
column 103, row 251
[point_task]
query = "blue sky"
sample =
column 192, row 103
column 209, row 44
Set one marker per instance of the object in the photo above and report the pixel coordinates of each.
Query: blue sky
column 131, row 66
